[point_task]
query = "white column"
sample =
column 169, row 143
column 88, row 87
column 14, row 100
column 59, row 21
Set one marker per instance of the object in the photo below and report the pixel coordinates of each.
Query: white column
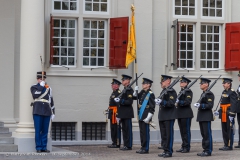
column 31, row 48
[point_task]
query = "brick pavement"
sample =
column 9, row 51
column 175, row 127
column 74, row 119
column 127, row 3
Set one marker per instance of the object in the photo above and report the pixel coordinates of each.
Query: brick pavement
column 101, row 152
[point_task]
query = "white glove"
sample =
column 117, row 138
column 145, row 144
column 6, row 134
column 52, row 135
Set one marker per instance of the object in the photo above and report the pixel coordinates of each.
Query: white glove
column 117, row 99
column 149, row 116
column 239, row 89
column 216, row 113
column 136, row 88
column 118, row 119
column 135, row 91
column 197, row 105
column 158, row 101
column 231, row 118
column 42, row 83
column 177, row 100
column 52, row 116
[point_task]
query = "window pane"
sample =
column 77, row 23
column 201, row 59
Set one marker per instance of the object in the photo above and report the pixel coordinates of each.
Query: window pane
column 63, row 33
column 88, row 6
column 64, row 42
column 183, row 37
column 184, row 2
column 64, row 23
column 216, row 55
column 184, row 11
column 63, row 61
column 93, row 43
column 55, row 61
column 100, row 61
column 216, row 38
column 177, row 2
column 191, row 11
column 85, row 52
column 209, row 64
column 56, row 23
column 216, row 46
column 70, row 61
column 56, row 33
column 203, row 55
column 182, row 64
column 215, row 64
column 93, row 52
column 202, row 64
column 219, row 3
column 93, row 24
column 86, row 43
column 212, row 3
column 209, row 29
column 190, row 28
column 71, row 33
column 104, row 7
column 56, row 51
column 56, row 41
column 65, row 5
column 189, row 55
column 93, row 34
column 86, row 33
column 205, row 12
column 100, row 34
column 209, row 46
column 203, row 46
column 203, row 29
column 63, row 51
column 191, row 2
column 209, row 55
column 177, row 11
column 73, row 6
column 100, row 43
column 86, row 61
column 71, row 24
column 95, row 6
column 209, row 38
column 189, row 64
column 203, row 37
column 189, row 46
column 205, row 3
column 219, row 13
column 70, row 51
column 71, row 42
column 212, row 12
column 183, row 46
column 100, row 52
column 183, row 55
column 101, row 25
column 190, row 37
column 57, row 5
column 86, row 24
column 183, row 28
column 93, row 62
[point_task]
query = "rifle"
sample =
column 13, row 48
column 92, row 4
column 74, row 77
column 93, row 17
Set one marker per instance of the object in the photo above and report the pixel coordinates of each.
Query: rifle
column 169, row 87
column 207, row 91
column 188, row 87
column 128, row 87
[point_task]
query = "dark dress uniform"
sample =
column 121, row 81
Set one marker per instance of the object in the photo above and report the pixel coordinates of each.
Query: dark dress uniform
column 238, row 115
column 185, row 115
column 204, row 117
column 166, row 117
column 43, row 108
column 150, row 108
column 228, row 108
column 125, row 113
column 115, row 128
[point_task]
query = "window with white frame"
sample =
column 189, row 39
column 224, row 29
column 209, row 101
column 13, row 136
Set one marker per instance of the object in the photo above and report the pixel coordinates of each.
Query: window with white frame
column 212, row 8
column 64, row 42
column 94, row 43
column 185, row 7
column 186, row 46
column 65, row 5
column 96, row 5
column 210, row 46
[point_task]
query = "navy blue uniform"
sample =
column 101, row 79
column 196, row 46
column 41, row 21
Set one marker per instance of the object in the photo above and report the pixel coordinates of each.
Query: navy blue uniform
column 43, row 108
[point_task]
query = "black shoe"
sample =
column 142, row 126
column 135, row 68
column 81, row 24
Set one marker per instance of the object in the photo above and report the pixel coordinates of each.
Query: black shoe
column 204, row 154
column 227, row 149
column 113, row 146
column 161, row 154
column 139, row 151
column 180, row 150
column 185, row 150
column 166, row 155
column 143, row 152
column 223, row 148
column 38, row 151
column 47, row 151
column 237, row 146
column 125, row 148
column 161, row 147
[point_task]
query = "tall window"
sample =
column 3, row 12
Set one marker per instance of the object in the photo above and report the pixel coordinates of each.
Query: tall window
column 65, row 5
column 210, row 43
column 64, row 42
column 185, row 7
column 94, row 43
column 96, row 5
column 212, row 8
column 186, row 45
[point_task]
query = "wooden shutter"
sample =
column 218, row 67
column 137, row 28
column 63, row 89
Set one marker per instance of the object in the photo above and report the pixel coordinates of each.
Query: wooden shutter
column 232, row 47
column 118, row 42
column 175, row 62
column 51, row 39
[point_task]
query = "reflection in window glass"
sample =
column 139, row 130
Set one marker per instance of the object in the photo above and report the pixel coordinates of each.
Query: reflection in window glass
column 212, row 8
column 65, row 5
column 185, row 7
column 210, row 51
column 96, row 5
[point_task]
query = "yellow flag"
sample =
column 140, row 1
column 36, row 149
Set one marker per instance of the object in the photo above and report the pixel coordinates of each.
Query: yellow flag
column 131, row 48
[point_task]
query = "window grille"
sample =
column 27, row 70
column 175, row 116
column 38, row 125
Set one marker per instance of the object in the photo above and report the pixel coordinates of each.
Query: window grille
column 63, row 131
column 93, row 130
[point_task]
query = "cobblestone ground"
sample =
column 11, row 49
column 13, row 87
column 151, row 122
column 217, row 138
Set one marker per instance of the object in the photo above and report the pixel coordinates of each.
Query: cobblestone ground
column 101, row 152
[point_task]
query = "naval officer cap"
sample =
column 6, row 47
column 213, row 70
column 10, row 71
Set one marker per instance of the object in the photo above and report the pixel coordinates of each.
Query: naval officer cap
column 124, row 77
column 185, row 80
column 146, row 81
column 39, row 74
column 226, row 80
column 204, row 80
column 115, row 81
column 165, row 77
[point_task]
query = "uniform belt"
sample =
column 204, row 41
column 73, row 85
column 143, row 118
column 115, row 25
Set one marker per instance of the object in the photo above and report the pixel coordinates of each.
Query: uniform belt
column 114, row 108
column 224, row 111
column 41, row 100
column 139, row 106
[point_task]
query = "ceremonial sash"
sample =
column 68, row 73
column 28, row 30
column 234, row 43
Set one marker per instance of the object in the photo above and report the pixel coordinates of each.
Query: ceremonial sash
column 144, row 104
column 114, row 109
column 224, row 111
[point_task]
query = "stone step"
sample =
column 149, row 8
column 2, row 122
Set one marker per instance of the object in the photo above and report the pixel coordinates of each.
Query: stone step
column 6, row 134
column 1, row 124
column 4, row 130
column 8, row 148
column 6, row 140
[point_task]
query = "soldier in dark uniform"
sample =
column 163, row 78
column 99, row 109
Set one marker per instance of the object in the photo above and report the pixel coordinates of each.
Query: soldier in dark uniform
column 145, row 113
column 114, row 125
column 43, row 108
column 125, row 112
column 238, row 112
column 227, row 113
column 205, row 116
column 185, row 115
column 167, row 116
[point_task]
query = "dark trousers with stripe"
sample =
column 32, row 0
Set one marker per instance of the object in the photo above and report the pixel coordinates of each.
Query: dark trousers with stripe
column 238, row 119
column 41, row 124
column 127, row 132
column 185, row 131
column 206, row 132
column 167, row 134
column 115, row 133
column 227, row 133
column 144, row 135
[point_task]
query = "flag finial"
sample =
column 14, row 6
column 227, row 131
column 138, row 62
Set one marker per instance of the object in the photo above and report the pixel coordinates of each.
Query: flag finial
column 132, row 8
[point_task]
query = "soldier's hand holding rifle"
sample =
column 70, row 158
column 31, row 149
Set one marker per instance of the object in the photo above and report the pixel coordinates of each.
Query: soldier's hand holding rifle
column 42, row 83
column 158, row 101
column 135, row 91
column 197, row 105
column 117, row 100
column 118, row 119
column 231, row 119
column 216, row 113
